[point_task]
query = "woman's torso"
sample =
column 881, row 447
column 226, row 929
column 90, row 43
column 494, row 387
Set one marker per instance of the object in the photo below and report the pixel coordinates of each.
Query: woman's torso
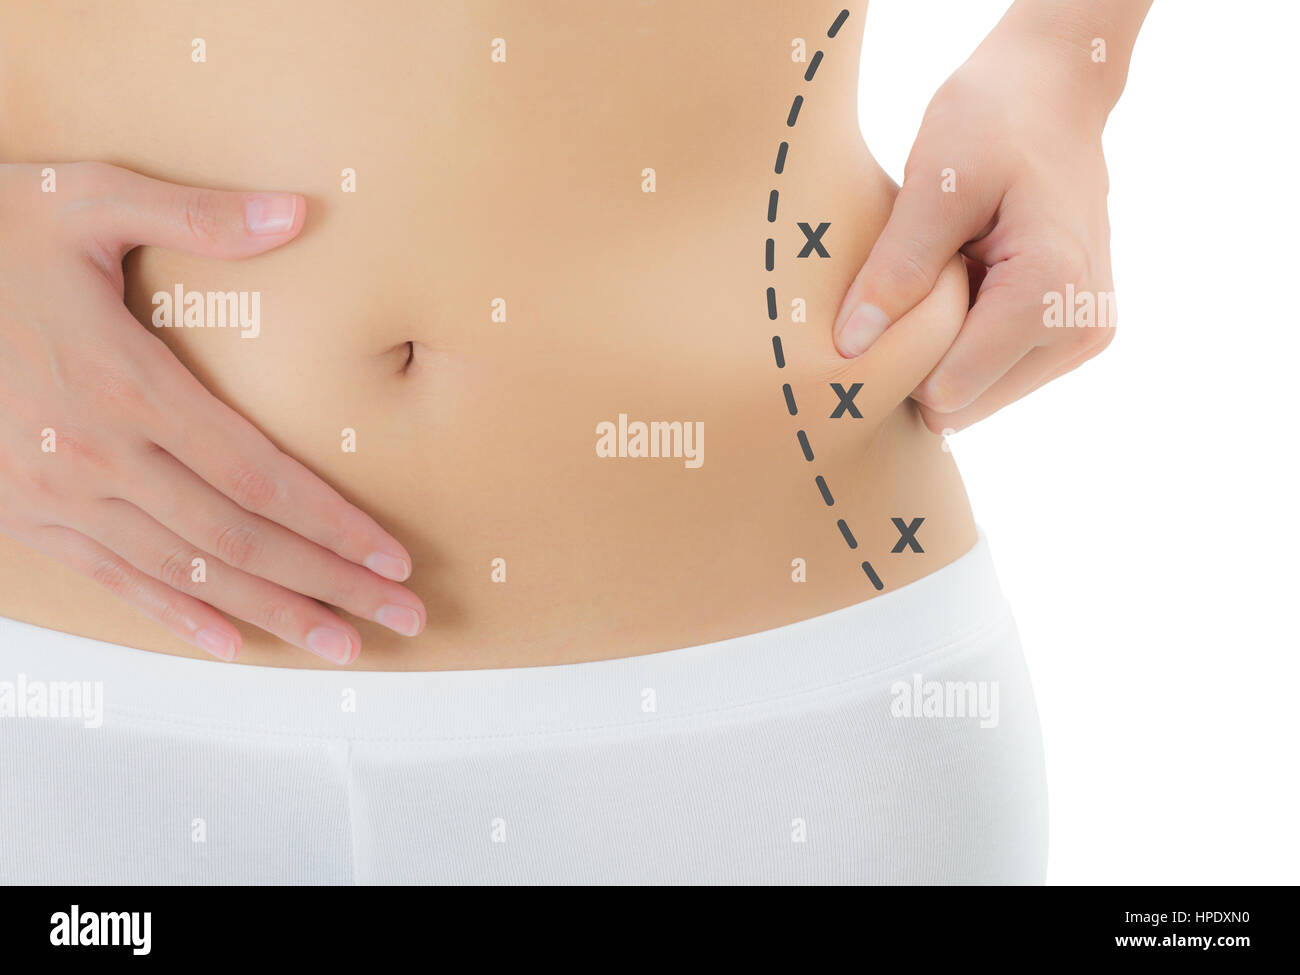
column 517, row 188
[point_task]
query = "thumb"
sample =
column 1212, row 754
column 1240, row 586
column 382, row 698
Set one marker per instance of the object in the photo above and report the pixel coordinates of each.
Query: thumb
column 126, row 210
column 928, row 225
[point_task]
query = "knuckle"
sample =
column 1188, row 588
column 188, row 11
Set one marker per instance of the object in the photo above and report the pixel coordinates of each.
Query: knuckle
column 203, row 215
column 1063, row 261
column 69, row 472
column 253, row 490
column 1081, row 337
column 947, row 99
column 32, row 485
column 103, row 379
column 238, row 544
column 114, row 391
column 175, row 570
column 904, row 273
column 86, row 450
column 110, row 573
column 280, row 618
column 1094, row 341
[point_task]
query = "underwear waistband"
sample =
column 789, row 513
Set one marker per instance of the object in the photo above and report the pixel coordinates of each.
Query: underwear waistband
column 771, row 669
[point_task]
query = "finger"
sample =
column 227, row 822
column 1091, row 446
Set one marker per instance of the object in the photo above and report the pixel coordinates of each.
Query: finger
column 932, row 218
column 1000, row 329
column 137, row 538
column 1040, row 367
column 127, row 210
column 233, row 456
column 195, row 622
column 183, row 503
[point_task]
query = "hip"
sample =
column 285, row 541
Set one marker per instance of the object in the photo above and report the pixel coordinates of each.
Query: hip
column 893, row 741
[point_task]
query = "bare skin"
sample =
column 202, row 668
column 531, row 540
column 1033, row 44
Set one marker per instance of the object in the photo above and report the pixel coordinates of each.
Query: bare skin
column 1007, row 169
column 476, row 439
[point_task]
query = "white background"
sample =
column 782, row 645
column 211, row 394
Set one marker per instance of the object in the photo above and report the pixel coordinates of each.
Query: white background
column 1142, row 509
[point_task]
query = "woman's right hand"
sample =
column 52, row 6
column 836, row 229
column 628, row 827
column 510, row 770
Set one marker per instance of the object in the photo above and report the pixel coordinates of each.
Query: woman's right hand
column 117, row 462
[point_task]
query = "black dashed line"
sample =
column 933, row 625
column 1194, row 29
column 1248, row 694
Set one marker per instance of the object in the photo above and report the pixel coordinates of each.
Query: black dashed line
column 871, row 574
column 813, row 66
column 794, row 111
column 769, row 261
column 848, row 535
column 789, row 399
column 805, row 446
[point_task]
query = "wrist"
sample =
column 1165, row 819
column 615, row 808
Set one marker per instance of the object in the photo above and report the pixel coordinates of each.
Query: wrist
column 1084, row 45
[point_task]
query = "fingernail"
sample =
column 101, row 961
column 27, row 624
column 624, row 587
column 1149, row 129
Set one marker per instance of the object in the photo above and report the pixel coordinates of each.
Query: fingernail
column 864, row 326
column 217, row 643
column 387, row 566
column 270, row 214
column 332, row 644
column 400, row 619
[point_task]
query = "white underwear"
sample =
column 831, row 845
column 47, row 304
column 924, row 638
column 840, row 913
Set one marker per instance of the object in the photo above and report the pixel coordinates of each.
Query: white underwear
column 894, row 741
